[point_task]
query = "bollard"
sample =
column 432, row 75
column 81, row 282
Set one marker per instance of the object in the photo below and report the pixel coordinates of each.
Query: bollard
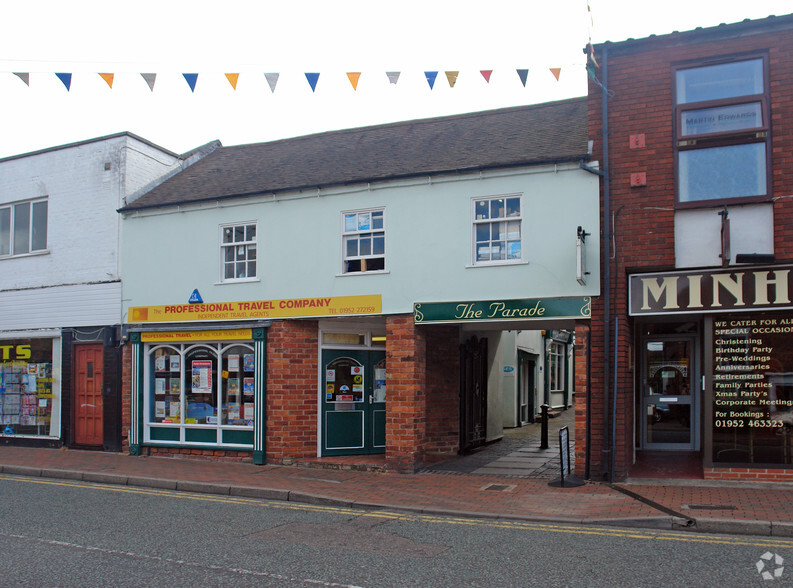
column 544, row 426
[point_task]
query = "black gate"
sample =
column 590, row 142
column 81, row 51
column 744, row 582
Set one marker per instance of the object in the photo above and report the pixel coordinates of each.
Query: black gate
column 473, row 393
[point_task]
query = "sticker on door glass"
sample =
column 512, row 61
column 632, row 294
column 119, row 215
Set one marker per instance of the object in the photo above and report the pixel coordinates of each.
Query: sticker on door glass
column 330, row 375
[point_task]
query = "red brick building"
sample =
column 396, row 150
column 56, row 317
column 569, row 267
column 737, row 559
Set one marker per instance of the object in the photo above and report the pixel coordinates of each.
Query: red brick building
column 692, row 337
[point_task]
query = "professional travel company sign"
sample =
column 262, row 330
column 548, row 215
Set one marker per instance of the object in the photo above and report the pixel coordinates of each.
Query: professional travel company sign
column 503, row 310
column 258, row 309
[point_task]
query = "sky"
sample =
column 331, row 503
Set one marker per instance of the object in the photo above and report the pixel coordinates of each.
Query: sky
column 295, row 37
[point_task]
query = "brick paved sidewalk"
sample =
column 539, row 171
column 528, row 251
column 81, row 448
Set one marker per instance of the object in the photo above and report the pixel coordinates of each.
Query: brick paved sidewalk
column 756, row 510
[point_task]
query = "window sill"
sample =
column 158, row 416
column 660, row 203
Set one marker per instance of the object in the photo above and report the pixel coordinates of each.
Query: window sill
column 497, row 264
column 240, row 281
column 31, row 254
column 371, row 273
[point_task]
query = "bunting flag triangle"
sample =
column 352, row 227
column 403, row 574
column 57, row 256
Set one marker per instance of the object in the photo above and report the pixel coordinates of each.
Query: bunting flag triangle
column 431, row 75
column 24, row 76
column 523, row 74
column 191, row 80
column 272, row 80
column 354, row 76
column 232, row 78
column 66, row 78
column 108, row 79
column 312, row 78
column 150, row 79
column 556, row 71
column 452, row 77
column 393, row 76
column 486, row 73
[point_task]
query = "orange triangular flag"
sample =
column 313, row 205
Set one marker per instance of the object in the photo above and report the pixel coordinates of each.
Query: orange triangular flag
column 486, row 73
column 556, row 71
column 354, row 76
column 232, row 78
column 452, row 77
column 108, row 78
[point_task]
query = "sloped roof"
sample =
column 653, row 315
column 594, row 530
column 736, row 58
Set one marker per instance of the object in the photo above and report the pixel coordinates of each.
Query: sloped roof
column 553, row 132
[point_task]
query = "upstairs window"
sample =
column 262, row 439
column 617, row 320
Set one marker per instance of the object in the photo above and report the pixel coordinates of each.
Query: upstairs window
column 497, row 229
column 238, row 252
column 363, row 241
column 721, row 132
column 23, row 228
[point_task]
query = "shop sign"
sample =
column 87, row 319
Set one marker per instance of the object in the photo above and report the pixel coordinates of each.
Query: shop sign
column 215, row 335
column 258, row 309
column 708, row 291
column 503, row 310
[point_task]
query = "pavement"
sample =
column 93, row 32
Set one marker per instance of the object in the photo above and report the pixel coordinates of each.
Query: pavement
column 508, row 480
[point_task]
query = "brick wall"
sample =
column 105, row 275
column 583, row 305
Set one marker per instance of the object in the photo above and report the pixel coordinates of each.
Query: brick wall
column 292, row 385
column 643, row 217
column 443, row 392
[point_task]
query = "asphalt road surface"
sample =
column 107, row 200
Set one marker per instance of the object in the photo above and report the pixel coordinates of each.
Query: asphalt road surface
column 65, row 533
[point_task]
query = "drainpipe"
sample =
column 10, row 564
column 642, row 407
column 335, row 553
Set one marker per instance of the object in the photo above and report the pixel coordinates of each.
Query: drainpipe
column 608, row 441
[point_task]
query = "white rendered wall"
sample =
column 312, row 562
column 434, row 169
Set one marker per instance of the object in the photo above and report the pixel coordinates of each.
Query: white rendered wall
column 428, row 243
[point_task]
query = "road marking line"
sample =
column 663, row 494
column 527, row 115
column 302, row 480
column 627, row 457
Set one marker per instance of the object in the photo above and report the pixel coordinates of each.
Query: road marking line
column 626, row 533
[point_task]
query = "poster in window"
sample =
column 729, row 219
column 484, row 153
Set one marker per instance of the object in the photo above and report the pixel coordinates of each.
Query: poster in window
column 234, row 412
column 159, row 363
column 176, row 386
column 248, row 412
column 234, row 389
column 202, row 376
column 159, row 409
column 247, row 387
column 248, row 362
column 159, row 386
column 175, row 363
column 234, row 363
column 174, row 409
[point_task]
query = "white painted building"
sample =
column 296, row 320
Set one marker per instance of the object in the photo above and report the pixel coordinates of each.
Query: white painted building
column 443, row 233
column 60, row 290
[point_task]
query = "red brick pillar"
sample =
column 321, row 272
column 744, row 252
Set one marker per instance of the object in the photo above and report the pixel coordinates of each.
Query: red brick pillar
column 291, row 394
column 406, row 409
column 579, row 398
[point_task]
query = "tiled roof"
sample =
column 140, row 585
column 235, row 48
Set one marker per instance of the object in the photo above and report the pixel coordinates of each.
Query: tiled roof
column 553, row 132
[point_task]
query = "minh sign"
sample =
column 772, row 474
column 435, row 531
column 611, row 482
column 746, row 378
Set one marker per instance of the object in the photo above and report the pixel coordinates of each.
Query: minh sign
column 710, row 291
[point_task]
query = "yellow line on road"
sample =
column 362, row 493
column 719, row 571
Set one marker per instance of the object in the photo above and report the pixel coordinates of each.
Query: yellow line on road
column 646, row 534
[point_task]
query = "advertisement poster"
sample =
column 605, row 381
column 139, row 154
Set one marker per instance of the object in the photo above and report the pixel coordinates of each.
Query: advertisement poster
column 234, row 363
column 202, row 376
column 248, row 362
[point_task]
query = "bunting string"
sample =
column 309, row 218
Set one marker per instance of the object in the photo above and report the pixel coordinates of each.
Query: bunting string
column 354, row 77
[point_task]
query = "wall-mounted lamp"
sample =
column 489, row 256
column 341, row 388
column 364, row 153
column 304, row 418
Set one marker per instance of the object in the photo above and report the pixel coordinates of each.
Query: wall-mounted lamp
column 580, row 256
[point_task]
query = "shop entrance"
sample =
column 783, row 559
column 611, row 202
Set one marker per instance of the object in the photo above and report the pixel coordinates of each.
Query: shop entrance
column 526, row 388
column 670, row 393
column 353, row 401
column 88, row 404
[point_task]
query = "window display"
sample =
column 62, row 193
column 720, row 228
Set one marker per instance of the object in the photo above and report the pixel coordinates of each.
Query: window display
column 201, row 385
column 27, row 387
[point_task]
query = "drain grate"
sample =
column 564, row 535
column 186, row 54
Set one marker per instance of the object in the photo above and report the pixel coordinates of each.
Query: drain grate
column 499, row 487
column 709, row 506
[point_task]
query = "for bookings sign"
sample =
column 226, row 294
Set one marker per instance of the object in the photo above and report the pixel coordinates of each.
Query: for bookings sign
column 258, row 309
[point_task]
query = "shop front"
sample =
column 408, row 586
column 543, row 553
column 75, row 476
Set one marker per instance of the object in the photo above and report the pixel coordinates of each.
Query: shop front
column 30, row 390
column 715, row 352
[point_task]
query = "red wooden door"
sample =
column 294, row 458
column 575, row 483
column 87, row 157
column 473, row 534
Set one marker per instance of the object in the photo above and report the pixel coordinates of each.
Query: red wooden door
column 88, row 383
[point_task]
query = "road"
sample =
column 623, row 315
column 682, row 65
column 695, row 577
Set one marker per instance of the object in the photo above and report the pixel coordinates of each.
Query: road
column 65, row 533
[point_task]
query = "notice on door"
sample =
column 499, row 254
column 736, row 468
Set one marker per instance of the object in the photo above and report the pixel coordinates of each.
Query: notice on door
column 752, row 388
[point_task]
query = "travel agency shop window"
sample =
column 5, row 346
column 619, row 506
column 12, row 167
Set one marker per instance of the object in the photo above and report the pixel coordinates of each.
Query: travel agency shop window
column 201, row 389
column 722, row 132
column 30, row 391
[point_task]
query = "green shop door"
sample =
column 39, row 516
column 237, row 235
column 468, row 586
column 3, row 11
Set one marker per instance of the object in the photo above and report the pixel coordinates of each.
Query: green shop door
column 353, row 401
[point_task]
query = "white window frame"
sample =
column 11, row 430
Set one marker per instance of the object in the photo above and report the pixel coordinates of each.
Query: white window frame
column 346, row 234
column 476, row 222
column 235, row 244
column 8, row 211
column 556, row 369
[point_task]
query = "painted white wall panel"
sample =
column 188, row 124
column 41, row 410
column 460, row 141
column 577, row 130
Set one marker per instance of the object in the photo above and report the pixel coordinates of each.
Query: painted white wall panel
column 428, row 244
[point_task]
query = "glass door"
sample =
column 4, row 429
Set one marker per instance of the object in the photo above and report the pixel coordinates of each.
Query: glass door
column 670, row 393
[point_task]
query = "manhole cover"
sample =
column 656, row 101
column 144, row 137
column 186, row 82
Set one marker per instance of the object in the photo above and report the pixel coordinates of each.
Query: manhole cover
column 499, row 487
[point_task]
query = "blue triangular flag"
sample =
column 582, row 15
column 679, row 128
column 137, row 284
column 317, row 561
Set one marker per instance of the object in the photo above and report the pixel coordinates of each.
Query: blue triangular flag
column 312, row 80
column 66, row 78
column 195, row 298
column 431, row 75
column 523, row 74
column 191, row 80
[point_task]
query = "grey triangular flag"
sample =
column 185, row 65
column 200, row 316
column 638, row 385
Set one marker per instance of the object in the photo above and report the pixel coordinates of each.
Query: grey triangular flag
column 25, row 77
column 393, row 76
column 272, row 80
column 150, row 79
